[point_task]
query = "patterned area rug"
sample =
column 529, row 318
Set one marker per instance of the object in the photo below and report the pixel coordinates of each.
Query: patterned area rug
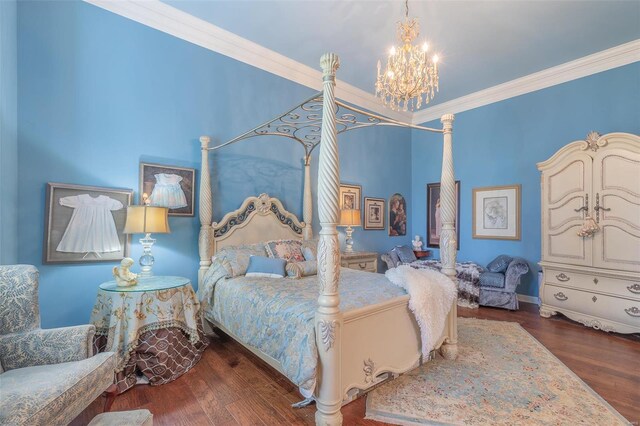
column 503, row 376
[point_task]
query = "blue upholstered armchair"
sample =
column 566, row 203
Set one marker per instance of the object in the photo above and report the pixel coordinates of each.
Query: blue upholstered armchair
column 499, row 282
column 47, row 377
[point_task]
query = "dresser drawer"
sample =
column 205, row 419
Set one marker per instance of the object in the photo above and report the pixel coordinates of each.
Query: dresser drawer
column 594, row 282
column 621, row 310
column 370, row 265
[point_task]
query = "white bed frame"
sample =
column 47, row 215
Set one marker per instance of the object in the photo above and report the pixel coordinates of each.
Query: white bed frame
column 360, row 348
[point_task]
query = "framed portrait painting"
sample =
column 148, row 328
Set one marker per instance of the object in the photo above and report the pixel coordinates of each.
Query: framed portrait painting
column 434, row 223
column 350, row 196
column 85, row 224
column 397, row 215
column 496, row 212
column 169, row 186
column 374, row 213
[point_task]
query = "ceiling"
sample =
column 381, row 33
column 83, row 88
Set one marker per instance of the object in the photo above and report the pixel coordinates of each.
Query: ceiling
column 480, row 43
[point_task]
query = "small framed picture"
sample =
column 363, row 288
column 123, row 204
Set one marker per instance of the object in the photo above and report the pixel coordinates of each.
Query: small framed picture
column 397, row 215
column 374, row 213
column 350, row 196
column 169, row 186
column 496, row 212
column 85, row 224
column 434, row 223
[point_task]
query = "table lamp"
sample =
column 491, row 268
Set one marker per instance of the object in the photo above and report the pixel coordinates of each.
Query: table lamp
column 145, row 220
column 349, row 218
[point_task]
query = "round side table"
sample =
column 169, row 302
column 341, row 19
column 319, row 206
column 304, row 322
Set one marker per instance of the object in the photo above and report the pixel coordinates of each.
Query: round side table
column 155, row 328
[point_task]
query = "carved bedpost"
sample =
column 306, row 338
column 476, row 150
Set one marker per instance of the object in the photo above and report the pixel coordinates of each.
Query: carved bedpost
column 206, row 210
column 448, row 243
column 307, row 202
column 328, row 317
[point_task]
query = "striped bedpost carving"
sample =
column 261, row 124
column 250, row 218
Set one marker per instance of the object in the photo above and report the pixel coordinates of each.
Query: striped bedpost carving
column 328, row 318
column 448, row 243
column 307, row 202
column 206, row 211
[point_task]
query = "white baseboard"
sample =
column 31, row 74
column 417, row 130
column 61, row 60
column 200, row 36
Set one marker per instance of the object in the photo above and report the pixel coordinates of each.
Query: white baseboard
column 529, row 299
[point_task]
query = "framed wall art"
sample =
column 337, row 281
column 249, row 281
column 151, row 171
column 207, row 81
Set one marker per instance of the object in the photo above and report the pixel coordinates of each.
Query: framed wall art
column 350, row 196
column 397, row 215
column 496, row 212
column 169, row 186
column 85, row 224
column 374, row 213
column 434, row 224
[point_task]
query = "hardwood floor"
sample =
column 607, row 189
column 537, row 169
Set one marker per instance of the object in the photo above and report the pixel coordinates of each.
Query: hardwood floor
column 231, row 386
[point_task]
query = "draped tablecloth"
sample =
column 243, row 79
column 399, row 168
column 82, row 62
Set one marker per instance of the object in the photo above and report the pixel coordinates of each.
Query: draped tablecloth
column 155, row 328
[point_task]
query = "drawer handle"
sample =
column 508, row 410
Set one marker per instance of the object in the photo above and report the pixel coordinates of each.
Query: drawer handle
column 635, row 288
column 362, row 265
column 633, row 311
column 563, row 277
column 560, row 296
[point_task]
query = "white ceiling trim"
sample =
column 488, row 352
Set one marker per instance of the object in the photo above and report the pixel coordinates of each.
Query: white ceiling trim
column 602, row 61
column 175, row 22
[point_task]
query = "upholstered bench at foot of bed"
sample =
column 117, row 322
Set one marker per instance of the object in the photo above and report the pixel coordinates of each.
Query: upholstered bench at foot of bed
column 123, row 418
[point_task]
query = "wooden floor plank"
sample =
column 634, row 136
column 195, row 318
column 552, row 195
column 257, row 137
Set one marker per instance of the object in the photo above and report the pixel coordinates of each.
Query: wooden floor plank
column 231, row 386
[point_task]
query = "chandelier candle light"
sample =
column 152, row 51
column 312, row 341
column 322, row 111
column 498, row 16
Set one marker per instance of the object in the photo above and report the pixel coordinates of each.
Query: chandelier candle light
column 411, row 75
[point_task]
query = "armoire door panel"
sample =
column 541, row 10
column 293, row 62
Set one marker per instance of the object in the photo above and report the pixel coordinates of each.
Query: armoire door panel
column 566, row 187
column 616, row 186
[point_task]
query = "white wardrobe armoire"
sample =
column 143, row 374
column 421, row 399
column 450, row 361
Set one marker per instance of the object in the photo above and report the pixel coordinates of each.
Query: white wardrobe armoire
column 591, row 232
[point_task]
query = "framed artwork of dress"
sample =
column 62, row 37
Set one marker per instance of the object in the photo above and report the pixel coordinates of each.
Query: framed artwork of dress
column 496, row 212
column 350, row 196
column 434, row 224
column 397, row 215
column 85, row 224
column 169, row 186
column 374, row 213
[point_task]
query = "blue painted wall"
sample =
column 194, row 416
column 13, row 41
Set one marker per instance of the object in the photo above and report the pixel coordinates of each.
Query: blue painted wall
column 8, row 133
column 99, row 93
column 500, row 144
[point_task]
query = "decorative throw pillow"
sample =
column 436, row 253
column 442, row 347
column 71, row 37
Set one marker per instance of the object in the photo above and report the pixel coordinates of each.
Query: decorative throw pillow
column 262, row 266
column 298, row 270
column 289, row 250
column 310, row 249
column 238, row 256
column 405, row 254
column 394, row 258
column 500, row 263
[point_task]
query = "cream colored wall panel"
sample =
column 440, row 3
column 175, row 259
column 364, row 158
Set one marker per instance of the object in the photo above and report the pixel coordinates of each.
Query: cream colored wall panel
column 562, row 213
column 563, row 246
column 619, row 249
column 621, row 172
column 568, row 179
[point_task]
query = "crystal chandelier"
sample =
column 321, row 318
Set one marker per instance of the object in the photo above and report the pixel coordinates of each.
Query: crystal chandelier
column 411, row 76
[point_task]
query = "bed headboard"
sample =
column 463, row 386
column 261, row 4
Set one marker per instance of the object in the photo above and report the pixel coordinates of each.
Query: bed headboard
column 258, row 219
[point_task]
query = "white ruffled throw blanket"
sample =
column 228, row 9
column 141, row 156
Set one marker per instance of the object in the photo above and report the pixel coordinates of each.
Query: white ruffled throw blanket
column 431, row 295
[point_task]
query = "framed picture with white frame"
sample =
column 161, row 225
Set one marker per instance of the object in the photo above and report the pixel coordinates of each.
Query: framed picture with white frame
column 497, row 212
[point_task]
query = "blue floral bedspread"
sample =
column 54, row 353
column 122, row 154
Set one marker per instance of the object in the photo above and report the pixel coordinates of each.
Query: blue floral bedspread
column 276, row 315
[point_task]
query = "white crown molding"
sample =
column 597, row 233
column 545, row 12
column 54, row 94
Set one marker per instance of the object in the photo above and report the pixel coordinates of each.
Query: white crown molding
column 601, row 61
column 177, row 23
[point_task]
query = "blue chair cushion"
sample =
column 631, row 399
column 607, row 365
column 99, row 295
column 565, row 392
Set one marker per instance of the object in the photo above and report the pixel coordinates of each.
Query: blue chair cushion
column 491, row 280
column 500, row 263
column 405, row 254
column 262, row 266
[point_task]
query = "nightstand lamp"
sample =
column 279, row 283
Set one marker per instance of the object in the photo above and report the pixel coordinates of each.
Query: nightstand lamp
column 349, row 218
column 146, row 220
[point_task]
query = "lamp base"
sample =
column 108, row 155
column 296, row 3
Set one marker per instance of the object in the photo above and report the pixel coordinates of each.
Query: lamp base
column 348, row 241
column 146, row 260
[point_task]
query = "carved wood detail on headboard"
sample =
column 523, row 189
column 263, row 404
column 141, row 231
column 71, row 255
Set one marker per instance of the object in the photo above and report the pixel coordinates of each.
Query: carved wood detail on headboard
column 275, row 223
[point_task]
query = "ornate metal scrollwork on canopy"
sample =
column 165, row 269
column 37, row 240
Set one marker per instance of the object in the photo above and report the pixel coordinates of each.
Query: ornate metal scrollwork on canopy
column 303, row 123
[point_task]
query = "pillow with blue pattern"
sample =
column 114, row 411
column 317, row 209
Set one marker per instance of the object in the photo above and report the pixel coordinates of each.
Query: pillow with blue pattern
column 499, row 264
column 405, row 254
column 262, row 266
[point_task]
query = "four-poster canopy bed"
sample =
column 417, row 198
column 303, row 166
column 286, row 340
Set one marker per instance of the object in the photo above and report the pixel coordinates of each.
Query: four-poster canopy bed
column 358, row 348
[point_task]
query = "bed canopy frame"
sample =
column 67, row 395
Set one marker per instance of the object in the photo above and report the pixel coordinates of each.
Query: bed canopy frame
column 316, row 122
